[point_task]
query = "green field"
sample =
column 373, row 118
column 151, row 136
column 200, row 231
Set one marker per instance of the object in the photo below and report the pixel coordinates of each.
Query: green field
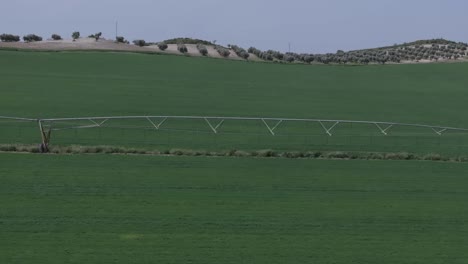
column 134, row 209
column 48, row 84
column 162, row 209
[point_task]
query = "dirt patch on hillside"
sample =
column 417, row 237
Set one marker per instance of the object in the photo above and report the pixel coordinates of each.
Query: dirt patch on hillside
column 80, row 44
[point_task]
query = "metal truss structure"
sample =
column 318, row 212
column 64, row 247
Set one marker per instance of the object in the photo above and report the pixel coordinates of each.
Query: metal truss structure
column 215, row 123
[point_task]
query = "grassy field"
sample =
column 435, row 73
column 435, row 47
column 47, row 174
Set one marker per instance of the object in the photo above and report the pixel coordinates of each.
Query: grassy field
column 44, row 84
column 134, row 209
column 147, row 209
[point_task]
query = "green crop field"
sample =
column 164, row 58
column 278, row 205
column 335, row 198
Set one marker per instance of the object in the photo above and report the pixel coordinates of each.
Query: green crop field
column 165, row 209
column 75, row 84
column 137, row 209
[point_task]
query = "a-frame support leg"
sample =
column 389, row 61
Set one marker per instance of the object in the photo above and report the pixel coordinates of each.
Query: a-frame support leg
column 45, row 135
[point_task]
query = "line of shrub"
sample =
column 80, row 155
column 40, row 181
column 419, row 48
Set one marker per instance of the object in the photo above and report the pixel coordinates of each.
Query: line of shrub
column 237, row 153
column 240, row 51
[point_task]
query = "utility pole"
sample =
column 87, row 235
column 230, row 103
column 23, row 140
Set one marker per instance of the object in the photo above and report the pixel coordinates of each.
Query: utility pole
column 116, row 29
column 289, row 46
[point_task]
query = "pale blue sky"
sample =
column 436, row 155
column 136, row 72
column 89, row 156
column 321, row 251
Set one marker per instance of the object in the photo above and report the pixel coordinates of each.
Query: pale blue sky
column 313, row 26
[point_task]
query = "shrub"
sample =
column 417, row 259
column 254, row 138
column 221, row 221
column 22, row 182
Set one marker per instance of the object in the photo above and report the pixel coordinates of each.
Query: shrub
column 182, row 48
column 399, row 156
column 337, row 155
column 75, row 35
column 240, row 153
column 139, row 42
column 162, row 46
column 265, row 153
column 202, row 49
column 293, row 154
column 32, row 38
column 56, row 37
column 222, row 51
column 9, row 38
column 432, row 157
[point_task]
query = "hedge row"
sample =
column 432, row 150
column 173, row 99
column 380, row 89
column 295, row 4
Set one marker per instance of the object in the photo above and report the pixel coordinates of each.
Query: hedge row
column 237, row 153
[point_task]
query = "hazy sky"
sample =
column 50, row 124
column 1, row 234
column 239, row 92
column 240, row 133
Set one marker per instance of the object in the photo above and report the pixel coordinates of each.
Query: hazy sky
column 313, row 26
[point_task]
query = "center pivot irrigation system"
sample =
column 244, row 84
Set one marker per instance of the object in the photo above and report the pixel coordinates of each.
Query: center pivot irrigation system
column 46, row 125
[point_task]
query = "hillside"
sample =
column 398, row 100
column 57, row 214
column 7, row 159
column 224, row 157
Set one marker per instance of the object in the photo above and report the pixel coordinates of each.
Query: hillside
column 422, row 51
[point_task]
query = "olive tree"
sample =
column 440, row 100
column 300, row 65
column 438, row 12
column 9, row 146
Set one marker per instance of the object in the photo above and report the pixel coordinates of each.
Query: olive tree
column 31, row 38
column 222, row 51
column 75, row 35
column 56, row 37
column 120, row 39
column 202, row 49
column 9, row 38
column 139, row 42
column 182, row 48
column 162, row 46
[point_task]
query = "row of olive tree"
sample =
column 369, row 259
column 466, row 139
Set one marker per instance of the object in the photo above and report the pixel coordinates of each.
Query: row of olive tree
column 240, row 51
column 222, row 51
column 379, row 56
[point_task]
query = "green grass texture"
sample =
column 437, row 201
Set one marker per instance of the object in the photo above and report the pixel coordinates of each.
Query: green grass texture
column 140, row 209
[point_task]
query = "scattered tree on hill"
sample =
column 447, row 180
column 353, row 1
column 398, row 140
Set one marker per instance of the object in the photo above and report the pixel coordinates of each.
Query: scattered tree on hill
column 202, row 49
column 187, row 41
column 96, row 36
column 75, row 35
column 121, row 39
column 56, row 37
column 31, row 38
column 240, row 51
column 162, row 46
column 139, row 42
column 288, row 58
column 275, row 54
column 182, row 48
column 9, row 38
column 222, row 51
